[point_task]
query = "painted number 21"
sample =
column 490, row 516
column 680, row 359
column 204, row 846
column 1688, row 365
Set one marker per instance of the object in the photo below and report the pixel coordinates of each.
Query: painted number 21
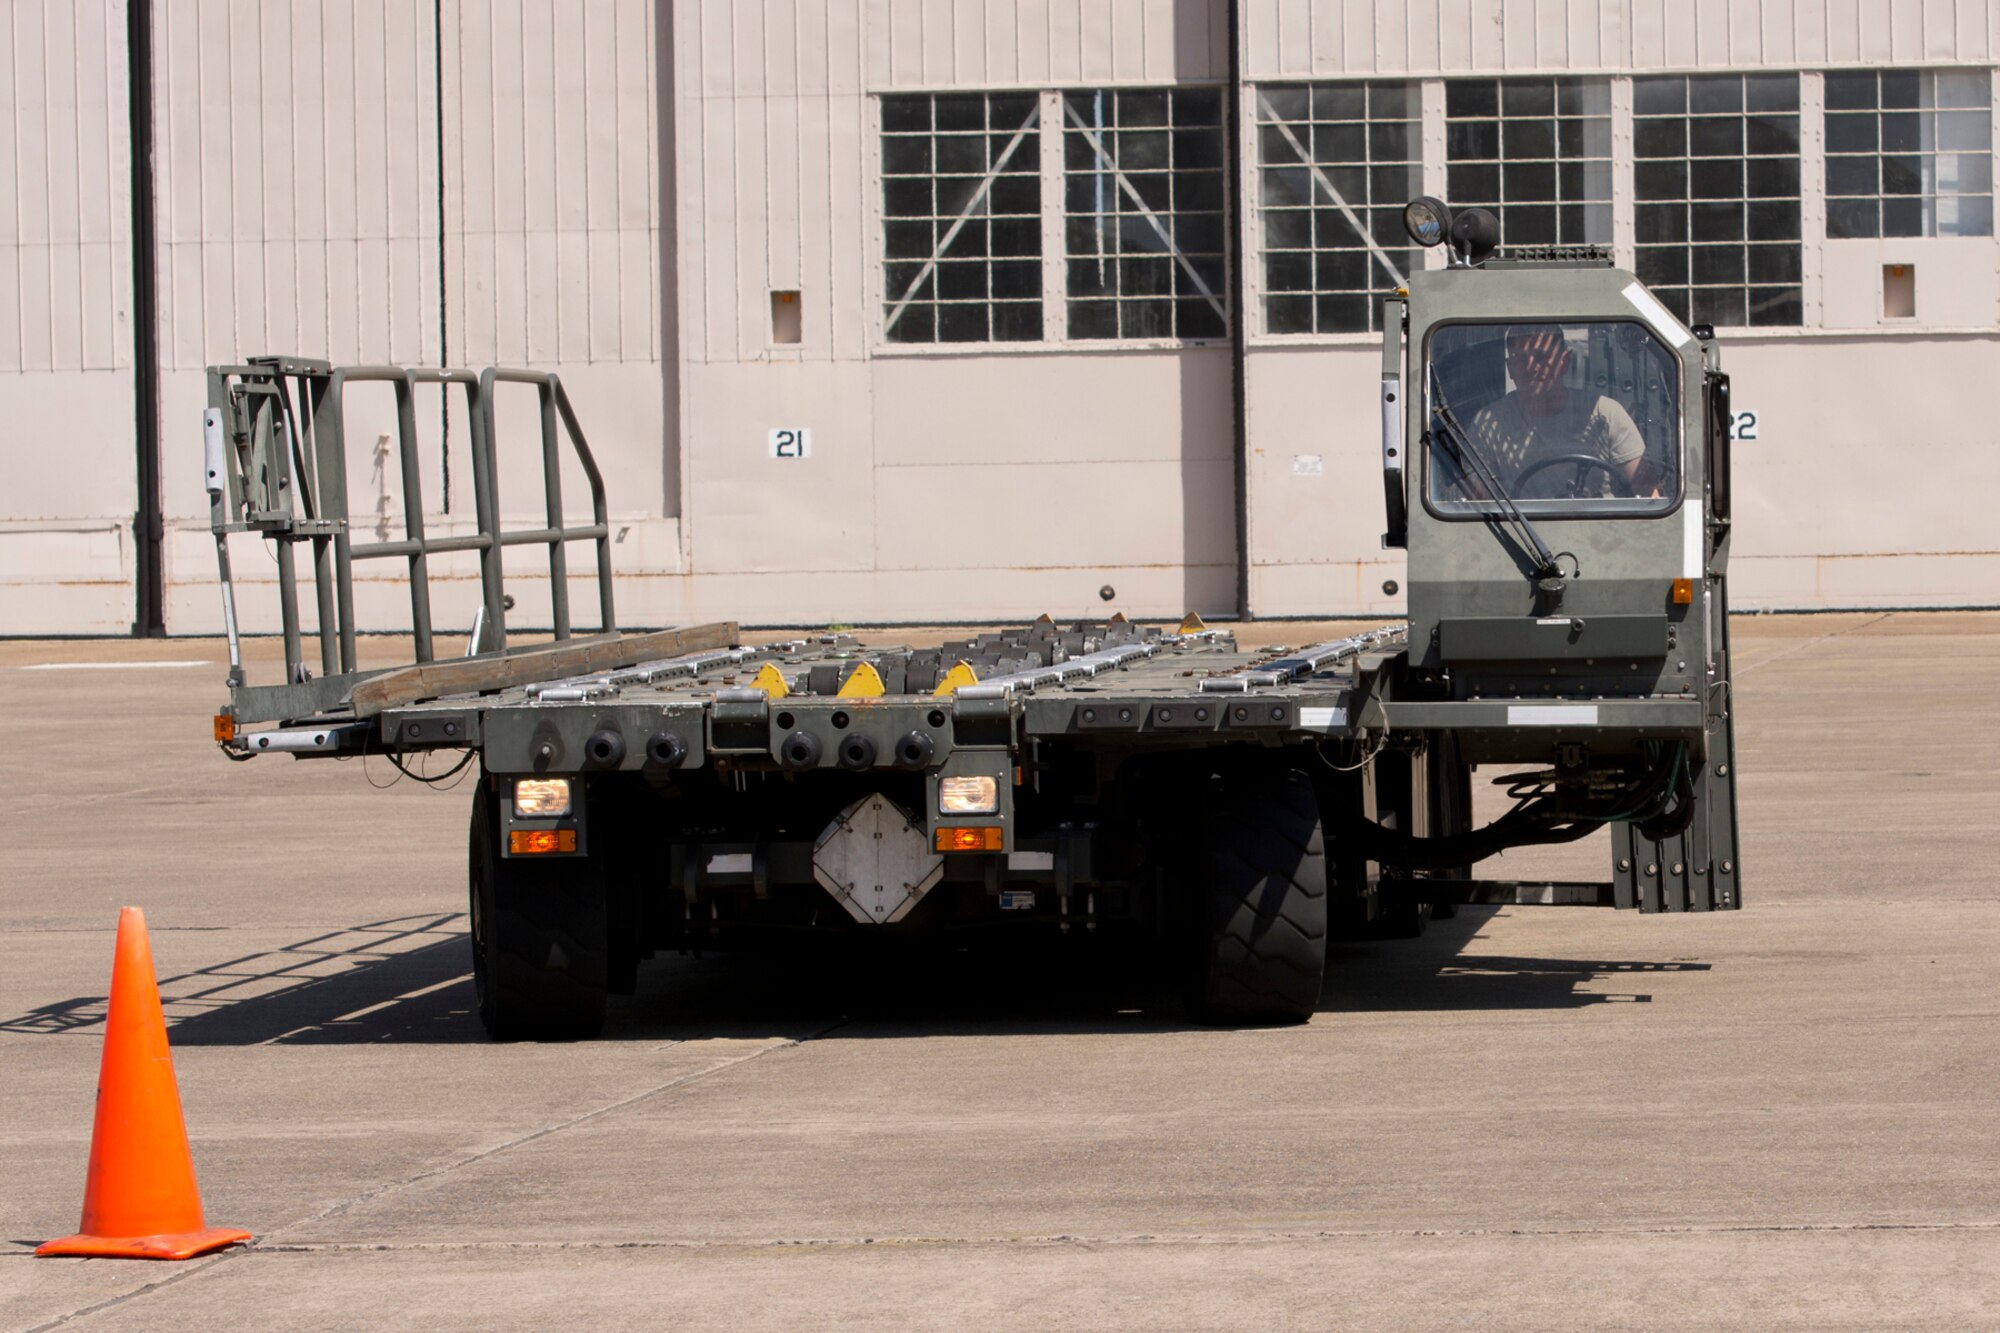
column 795, row 443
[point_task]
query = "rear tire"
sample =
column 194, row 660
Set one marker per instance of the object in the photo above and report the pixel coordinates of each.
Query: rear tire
column 538, row 938
column 1257, row 882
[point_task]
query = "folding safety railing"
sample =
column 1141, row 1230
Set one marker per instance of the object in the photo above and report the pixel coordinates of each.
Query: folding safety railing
column 275, row 451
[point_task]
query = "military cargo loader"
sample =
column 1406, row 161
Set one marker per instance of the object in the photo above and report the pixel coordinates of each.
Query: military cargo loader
column 1554, row 458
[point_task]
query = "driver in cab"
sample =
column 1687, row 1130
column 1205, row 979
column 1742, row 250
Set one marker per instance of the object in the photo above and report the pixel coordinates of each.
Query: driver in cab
column 1541, row 420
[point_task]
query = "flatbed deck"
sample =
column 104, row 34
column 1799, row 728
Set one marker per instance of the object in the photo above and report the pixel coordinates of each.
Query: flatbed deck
column 1164, row 684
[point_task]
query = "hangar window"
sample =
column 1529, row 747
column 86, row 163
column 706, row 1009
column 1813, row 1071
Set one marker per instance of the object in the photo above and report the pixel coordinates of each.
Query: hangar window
column 1909, row 153
column 1716, row 184
column 962, row 217
column 1336, row 164
column 1146, row 219
column 1536, row 151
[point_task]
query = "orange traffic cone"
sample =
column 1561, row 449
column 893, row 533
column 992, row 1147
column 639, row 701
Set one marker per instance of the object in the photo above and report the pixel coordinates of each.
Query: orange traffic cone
column 139, row 1201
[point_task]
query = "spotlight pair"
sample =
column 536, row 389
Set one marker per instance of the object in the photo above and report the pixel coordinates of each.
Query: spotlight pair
column 1474, row 233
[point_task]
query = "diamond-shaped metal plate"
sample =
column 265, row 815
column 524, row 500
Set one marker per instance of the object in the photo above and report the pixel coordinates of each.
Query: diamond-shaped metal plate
column 875, row 861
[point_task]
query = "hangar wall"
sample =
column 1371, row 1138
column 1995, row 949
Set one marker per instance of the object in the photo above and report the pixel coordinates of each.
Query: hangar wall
column 683, row 209
column 944, row 482
column 65, row 322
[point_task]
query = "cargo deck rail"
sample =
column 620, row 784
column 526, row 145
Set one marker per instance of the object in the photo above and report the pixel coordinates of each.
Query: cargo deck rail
column 275, row 463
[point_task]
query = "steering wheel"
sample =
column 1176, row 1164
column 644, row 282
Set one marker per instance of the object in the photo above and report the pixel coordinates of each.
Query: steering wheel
column 1582, row 463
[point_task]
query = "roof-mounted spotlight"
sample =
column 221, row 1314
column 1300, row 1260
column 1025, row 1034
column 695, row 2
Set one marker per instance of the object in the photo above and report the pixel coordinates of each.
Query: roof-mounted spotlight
column 1427, row 220
column 1471, row 235
column 1475, row 234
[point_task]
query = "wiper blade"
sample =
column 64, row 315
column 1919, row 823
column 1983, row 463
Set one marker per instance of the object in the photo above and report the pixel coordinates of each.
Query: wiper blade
column 1465, row 453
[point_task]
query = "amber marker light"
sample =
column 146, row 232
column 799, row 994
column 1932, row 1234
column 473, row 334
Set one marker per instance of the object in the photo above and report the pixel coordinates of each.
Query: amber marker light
column 541, row 841
column 225, row 728
column 983, row 838
column 1683, row 593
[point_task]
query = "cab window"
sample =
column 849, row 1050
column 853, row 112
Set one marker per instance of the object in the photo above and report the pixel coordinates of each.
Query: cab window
column 1560, row 417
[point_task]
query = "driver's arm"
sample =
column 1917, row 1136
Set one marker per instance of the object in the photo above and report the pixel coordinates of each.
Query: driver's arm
column 1644, row 477
column 1625, row 449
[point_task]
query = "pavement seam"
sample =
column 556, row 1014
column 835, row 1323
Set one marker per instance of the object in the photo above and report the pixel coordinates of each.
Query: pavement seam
column 179, row 1275
column 1134, row 1239
column 681, row 1081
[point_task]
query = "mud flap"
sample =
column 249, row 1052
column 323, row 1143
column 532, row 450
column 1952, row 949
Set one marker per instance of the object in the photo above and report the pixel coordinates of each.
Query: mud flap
column 1699, row 870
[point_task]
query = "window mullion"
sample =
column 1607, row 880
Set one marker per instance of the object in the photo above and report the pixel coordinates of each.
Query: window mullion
column 1812, row 197
column 1055, row 257
column 1430, row 103
column 1624, row 210
column 1249, row 227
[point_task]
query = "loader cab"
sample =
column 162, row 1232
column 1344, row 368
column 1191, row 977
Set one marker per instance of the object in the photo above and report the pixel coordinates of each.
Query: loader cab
column 1545, row 450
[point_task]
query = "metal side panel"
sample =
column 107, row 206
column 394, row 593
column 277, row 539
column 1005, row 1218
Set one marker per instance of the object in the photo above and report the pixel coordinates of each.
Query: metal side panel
column 1697, row 871
column 1551, row 638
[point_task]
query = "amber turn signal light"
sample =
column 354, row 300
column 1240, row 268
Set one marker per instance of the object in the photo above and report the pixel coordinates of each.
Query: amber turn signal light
column 1683, row 593
column 982, row 838
column 541, row 841
column 225, row 728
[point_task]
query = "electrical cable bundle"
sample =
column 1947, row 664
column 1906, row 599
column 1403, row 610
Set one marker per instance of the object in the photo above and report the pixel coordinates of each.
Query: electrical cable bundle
column 1660, row 802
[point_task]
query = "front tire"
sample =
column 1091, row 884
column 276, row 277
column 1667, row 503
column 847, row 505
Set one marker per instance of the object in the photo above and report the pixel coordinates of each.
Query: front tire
column 1258, row 886
column 539, row 938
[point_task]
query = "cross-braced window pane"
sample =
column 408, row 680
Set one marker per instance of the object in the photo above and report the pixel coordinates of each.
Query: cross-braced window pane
column 1336, row 164
column 962, row 218
column 1146, row 222
column 1909, row 153
column 1537, row 152
column 1717, row 187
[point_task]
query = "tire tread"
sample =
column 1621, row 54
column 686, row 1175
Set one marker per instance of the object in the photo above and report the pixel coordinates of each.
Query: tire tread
column 1261, row 915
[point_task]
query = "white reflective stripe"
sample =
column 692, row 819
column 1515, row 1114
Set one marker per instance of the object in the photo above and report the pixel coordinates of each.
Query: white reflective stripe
column 729, row 863
column 212, row 450
column 1392, row 426
column 1664, row 324
column 1552, row 715
column 1031, row 861
column 1320, row 719
column 1661, row 318
column 304, row 738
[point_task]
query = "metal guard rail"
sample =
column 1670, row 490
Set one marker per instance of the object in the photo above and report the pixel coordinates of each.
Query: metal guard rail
column 280, row 471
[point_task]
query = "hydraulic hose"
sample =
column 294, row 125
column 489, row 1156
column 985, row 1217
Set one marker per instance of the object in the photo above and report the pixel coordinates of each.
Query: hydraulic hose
column 1541, row 819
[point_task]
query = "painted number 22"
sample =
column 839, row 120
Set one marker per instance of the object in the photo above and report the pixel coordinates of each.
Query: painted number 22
column 795, row 443
column 1743, row 426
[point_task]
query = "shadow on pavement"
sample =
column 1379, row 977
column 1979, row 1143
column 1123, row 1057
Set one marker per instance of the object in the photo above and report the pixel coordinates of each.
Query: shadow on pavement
column 408, row 980
column 1441, row 970
column 402, row 979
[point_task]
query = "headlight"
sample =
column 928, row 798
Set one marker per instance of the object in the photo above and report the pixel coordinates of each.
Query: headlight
column 968, row 796
column 541, row 798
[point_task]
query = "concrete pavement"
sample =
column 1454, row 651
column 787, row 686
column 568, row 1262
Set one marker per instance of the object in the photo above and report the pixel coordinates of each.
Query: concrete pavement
column 1528, row 1118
